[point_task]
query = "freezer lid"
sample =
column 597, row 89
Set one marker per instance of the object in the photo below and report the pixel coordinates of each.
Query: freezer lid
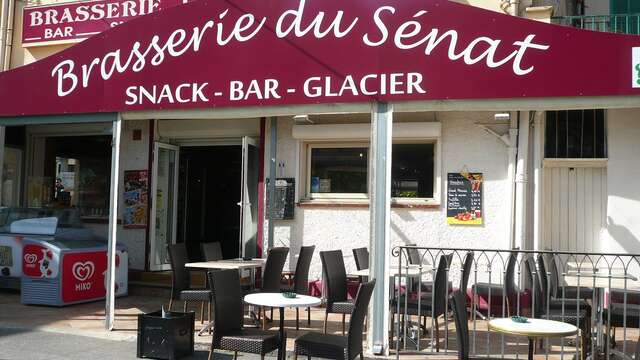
column 39, row 221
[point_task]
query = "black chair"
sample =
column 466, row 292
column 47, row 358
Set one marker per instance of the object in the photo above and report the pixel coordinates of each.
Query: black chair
column 228, row 331
column 339, row 347
column 560, row 289
column 506, row 290
column 432, row 304
column 619, row 314
column 335, row 277
column 181, row 280
column 272, row 276
column 458, row 304
column 413, row 257
column 549, row 300
column 466, row 271
column 301, row 279
column 426, row 286
column 211, row 251
column 361, row 256
column 578, row 316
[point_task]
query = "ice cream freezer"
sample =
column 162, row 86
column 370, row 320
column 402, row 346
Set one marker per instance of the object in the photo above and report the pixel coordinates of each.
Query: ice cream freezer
column 57, row 260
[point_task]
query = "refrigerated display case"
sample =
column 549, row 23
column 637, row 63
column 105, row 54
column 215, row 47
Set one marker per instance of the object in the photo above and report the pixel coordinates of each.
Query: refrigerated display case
column 53, row 258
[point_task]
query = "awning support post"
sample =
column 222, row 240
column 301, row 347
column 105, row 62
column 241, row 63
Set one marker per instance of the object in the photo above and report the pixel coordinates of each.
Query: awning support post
column 2, row 142
column 113, row 225
column 273, row 152
column 380, row 208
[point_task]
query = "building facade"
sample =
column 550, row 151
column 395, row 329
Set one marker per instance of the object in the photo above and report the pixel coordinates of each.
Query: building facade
column 557, row 173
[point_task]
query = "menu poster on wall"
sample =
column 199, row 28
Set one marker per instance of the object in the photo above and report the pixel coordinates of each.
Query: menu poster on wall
column 136, row 199
column 464, row 198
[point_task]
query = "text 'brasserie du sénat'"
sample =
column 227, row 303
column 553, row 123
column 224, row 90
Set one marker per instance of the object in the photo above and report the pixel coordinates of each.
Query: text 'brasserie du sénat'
column 223, row 29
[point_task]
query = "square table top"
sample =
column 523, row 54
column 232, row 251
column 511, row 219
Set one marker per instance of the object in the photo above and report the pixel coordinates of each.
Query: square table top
column 227, row 264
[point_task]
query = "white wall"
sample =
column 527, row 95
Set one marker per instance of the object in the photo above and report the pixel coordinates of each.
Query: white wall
column 623, row 207
column 134, row 155
column 463, row 143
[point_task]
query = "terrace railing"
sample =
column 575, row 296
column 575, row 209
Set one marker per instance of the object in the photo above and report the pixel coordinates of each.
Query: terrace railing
column 597, row 292
column 622, row 23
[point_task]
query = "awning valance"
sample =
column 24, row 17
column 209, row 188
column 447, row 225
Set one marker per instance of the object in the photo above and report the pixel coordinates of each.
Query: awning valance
column 212, row 53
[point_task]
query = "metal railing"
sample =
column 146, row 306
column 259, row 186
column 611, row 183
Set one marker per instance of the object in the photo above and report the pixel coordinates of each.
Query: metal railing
column 599, row 293
column 615, row 23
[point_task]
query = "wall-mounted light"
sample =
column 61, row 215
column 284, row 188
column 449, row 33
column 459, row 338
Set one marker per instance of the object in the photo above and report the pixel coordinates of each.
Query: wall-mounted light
column 302, row 119
column 504, row 116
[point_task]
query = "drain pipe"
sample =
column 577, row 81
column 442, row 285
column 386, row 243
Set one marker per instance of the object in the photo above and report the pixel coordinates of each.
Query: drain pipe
column 512, row 151
column 8, row 35
column 4, row 17
column 520, row 183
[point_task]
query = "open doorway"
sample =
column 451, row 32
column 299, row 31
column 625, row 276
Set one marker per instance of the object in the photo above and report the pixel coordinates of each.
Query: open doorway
column 204, row 193
column 208, row 197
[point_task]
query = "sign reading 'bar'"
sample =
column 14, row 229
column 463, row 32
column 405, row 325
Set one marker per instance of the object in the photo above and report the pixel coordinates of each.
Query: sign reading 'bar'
column 64, row 23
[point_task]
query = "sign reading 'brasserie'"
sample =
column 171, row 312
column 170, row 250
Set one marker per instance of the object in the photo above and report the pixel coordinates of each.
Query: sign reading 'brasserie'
column 290, row 52
column 63, row 23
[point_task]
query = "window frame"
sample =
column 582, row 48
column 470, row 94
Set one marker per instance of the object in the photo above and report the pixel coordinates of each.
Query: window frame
column 333, row 145
column 574, row 161
column 307, row 146
column 435, row 200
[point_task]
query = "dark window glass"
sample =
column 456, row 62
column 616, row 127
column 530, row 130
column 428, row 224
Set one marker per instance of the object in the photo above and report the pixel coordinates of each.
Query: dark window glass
column 575, row 134
column 77, row 174
column 339, row 170
column 550, row 134
column 412, row 170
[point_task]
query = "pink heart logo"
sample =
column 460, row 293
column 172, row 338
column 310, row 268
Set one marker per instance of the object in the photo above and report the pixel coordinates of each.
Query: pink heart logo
column 30, row 258
column 83, row 270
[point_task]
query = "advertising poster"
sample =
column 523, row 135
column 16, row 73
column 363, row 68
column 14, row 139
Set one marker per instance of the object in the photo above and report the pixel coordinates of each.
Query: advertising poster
column 136, row 199
column 464, row 198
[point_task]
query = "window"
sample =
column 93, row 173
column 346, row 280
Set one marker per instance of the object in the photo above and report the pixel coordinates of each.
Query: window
column 575, row 134
column 75, row 173
column 412, row 170
column 342, row 171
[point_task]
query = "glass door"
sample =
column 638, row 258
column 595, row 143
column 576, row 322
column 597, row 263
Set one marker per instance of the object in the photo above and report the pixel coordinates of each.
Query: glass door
column 163, row 210
column 249, row 198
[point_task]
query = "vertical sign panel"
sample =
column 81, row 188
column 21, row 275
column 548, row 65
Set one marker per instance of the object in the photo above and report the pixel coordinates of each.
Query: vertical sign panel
column 464, row 199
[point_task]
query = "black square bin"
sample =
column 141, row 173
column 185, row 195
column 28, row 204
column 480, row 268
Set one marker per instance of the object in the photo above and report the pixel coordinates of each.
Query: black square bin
column 169, row 337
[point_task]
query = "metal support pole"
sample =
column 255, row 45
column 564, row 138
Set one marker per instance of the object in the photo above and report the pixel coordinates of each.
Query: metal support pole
column 113, row 225
column 273, row 144
column 380, row 208
column 2, row 132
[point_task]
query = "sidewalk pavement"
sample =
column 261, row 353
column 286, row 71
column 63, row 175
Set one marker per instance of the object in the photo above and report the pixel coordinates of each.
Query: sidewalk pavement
column 22, row 344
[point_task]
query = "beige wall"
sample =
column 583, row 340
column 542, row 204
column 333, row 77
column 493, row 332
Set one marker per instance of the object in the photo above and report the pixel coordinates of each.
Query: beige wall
column 22, row 56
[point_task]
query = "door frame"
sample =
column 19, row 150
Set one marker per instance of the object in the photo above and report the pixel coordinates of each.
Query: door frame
column 154, row 205
column 247, row 141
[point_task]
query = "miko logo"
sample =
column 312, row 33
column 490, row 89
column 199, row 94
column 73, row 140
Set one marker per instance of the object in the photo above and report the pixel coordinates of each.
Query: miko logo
column 83, row 270
column 30, row 258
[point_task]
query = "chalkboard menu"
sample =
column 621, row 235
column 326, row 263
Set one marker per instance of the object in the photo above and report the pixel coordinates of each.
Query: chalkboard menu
column 464, row 198
column 284, row 203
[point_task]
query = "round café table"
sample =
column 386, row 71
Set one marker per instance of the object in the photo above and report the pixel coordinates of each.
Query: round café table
column 277, row 300
column 533, row 329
